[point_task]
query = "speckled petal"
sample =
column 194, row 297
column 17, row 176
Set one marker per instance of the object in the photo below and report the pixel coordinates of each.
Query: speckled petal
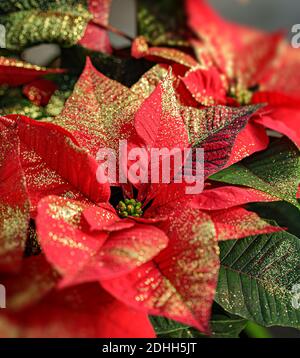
column 84, row 311
column 237, row 223
column 180, row 282
column 225, row 197
column 100, row 112
column 141, row 49
column 54, row 163
column 14, row 202
column 63, row 235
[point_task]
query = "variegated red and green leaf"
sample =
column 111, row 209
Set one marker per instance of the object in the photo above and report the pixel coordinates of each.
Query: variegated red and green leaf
column 215, row 129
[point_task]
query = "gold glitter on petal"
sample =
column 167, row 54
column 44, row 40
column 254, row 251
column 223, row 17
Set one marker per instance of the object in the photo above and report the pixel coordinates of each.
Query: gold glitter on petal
column 98, row 111
column 14, row 204
column 35, row 279
column 203, row 123
column 149, row 81
column 13, row 62
column 181, row 281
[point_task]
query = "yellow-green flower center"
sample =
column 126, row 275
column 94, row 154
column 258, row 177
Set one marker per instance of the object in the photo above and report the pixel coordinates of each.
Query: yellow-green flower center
column 241, row 94
column 129, row 207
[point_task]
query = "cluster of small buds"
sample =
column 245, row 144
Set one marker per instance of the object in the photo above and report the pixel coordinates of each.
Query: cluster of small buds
column 244, row 97
column 241, row 94
column 129, row 207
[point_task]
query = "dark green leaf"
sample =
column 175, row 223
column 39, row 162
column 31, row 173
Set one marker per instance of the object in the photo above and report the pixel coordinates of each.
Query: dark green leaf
column 162, row 22
column 227, row 327
column 222, row 326
column 285, row 214
column 274, row 171
column 258, row 277
column 125, row 70
column 12, row 100
column 166, row 328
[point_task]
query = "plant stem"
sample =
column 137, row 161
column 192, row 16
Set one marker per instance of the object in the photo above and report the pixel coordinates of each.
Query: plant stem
column 253, row 330
column 113, row 30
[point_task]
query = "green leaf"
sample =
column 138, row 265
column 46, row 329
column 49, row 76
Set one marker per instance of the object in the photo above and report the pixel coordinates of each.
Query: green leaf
column 57, row 102
column 29, row 23
column 274, row 171
column 126, row 70
column 166, row 328
column 222, row 326
column 227, row 326
column 257, row 279
column 162, row 22
column 12, row 101
column 285, row 214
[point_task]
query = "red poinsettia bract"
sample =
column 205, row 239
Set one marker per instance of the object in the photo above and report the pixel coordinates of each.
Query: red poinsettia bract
column 164, row 262
column 254, row 66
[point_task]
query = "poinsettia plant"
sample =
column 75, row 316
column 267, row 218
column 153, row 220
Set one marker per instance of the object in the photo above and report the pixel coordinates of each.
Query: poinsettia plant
column 84, row 257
